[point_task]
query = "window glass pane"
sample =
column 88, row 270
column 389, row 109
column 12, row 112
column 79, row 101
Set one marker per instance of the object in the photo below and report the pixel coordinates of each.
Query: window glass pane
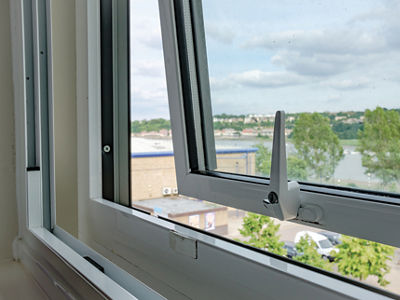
column 154, row 186
column 331, row 66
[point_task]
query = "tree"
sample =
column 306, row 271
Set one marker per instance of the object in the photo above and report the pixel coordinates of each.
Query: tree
column 263, row 160
column 317, row 144
column 297, row 168
column 361, row 258
column 347, row 131
column 379, row 144
column 150, row 125
column 309, row 255
column 263, row 233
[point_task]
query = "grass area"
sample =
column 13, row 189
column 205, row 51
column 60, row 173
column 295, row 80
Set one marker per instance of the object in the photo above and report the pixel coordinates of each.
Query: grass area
column 349, row 142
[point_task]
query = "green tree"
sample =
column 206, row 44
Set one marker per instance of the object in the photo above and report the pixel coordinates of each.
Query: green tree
column 309, row 255
column 262, row 233
column 361, row 258
column 317, row 144
column 347, row 131
column 150, row 125
column 297, row 168
column 263, row 160
column 379, row 144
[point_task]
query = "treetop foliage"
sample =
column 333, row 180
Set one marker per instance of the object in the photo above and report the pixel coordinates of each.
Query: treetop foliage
column 344, row 129
column 361, row 258
column 309, row 255
column 262, row 233
column 379, row 144
column 357, row 258
column 296, row 167
column 317, row 144
column 150, row 125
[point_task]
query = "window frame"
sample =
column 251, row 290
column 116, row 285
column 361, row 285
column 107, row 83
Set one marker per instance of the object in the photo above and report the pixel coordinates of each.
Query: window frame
column 344, row 210
column 55, row 258
column 120, row 235
column 115, row 104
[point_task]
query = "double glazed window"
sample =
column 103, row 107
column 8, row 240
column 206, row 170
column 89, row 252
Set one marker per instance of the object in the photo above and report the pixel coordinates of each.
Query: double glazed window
column 329, row 162
column 227, row 125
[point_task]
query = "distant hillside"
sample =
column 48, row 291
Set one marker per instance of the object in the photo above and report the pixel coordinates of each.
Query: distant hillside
column 345, row 124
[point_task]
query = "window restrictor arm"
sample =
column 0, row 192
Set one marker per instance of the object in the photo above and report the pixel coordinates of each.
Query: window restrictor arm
column 283, row 197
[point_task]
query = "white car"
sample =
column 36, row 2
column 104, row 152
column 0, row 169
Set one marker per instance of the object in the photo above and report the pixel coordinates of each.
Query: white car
column 324, row 246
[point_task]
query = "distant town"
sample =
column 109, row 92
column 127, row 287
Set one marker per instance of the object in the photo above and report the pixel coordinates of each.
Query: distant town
column 345, row 124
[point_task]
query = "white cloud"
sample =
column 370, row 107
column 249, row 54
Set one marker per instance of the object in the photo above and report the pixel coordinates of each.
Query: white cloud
column 331, row 67
column 327, row 52
column 313, row 65
column 151, row 39
column 257, row 79
column 348, row 84
column 152, row 95
column 334, row 98
column 148, row 68
column 218, row 84
column 145, row 29
column 332, row 41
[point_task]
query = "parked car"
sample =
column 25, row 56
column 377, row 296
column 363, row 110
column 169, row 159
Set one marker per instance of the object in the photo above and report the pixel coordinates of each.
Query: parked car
column 290, row 248
column 333, row 237
column 324, row 246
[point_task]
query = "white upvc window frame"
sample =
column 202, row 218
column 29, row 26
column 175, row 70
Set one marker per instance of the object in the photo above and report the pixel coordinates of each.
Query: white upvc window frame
column 56, row 259
column 365, row 214
column 175, row 260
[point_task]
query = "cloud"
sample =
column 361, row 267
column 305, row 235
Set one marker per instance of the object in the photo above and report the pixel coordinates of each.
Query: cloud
column 152, row 39
column 348, row 84
column 218, row 84
column 338, row 41
column 333, row 99
column 149, row 103
column 157, row 93
column 145, row 29
column 327, row 52
column 387, row 16
column 153, row 68
column 331, row 67
column 257, row 79
column 313, row 65
column 220, row 33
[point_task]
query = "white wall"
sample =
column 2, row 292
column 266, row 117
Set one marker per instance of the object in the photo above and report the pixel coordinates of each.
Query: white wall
column 65, row 129
column 8, row 206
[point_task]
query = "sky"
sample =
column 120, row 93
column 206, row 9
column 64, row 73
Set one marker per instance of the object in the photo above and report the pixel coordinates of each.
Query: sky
column 292, row 55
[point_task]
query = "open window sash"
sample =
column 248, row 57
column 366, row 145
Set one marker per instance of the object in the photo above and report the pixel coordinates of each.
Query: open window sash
column 365, row 214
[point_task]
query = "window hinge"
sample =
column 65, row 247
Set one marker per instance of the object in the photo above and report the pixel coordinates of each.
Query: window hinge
column 283, row 197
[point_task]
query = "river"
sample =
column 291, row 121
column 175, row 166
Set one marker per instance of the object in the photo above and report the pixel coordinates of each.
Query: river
column 348, row 169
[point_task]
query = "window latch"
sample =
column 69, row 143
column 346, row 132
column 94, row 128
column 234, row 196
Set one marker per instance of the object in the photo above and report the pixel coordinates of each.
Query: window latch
column 283, row 197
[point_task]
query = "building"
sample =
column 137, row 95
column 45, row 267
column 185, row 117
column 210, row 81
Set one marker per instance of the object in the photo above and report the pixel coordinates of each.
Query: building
column 249, row 132
column 149, row 180
column 196, row 213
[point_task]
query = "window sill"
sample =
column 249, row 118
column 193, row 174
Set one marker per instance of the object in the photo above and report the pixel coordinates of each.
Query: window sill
column 144, row 240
